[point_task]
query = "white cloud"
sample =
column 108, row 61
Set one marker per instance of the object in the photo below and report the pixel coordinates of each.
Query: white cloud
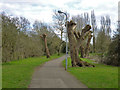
column 43, row 9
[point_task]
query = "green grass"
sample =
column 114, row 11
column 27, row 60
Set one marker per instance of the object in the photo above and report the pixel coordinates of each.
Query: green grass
column 18, row 74
column 101, row 76
column 95, row 54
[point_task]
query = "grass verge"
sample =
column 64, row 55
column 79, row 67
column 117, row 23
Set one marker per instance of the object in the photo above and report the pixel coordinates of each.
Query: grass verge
column 101, row 76
column 18, row 74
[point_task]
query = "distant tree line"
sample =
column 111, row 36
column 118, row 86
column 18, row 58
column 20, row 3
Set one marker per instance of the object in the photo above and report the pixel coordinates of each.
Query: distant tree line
column 20, row 40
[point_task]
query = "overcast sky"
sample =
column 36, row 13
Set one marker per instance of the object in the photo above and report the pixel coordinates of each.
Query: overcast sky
column 43, row 9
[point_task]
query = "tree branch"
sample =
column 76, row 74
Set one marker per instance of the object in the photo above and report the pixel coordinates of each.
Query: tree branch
column 86, row 29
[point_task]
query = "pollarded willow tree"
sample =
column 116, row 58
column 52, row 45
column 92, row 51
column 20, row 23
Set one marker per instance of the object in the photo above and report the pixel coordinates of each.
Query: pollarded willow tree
column 52, row 39
column 42, row 30
column 75, row 40
column 44, row 36
column 81, row 21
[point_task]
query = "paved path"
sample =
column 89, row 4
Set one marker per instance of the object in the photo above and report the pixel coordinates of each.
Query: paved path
column 53, row 75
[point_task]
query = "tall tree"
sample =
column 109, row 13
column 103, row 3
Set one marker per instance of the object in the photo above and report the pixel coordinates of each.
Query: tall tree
column 94, row 27
column 59, row 21
column 79, row 19
column 9, row 37
column 103, row 38
column 108, row 25
column 17, row 42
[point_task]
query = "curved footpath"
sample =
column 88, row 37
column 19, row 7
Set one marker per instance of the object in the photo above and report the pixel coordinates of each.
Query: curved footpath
column 53, row 75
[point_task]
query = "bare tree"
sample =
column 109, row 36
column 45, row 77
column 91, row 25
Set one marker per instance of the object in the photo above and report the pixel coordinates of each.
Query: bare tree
column 103, row 23
column 79, row 19
column 59, row 21
column 94, row 27
column 108, row 25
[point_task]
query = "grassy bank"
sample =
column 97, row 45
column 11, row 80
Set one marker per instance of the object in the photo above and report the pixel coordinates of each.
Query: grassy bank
column 101, row 76
column 18, row 74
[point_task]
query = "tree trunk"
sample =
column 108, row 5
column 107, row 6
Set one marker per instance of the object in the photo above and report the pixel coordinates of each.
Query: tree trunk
column 46, row 47
column 93, row 41
column 88, row 46
column 72, row 42
column 82, row 51
column 60, row 46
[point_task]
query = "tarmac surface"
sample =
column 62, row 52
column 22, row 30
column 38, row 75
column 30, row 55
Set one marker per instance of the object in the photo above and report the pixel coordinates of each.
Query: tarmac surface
column 53, row 75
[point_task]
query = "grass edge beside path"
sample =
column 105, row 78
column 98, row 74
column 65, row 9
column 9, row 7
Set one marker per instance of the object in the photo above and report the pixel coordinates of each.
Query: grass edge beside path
column 101, row 76
column 18, row 74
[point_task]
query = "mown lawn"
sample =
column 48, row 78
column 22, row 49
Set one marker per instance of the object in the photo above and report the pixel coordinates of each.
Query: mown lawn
column 101, row 76
column 18, row 74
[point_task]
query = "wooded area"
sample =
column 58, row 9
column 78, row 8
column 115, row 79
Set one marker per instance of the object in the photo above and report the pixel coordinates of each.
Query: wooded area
column 21, row 39
column 18, row 42
column 60, row 44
